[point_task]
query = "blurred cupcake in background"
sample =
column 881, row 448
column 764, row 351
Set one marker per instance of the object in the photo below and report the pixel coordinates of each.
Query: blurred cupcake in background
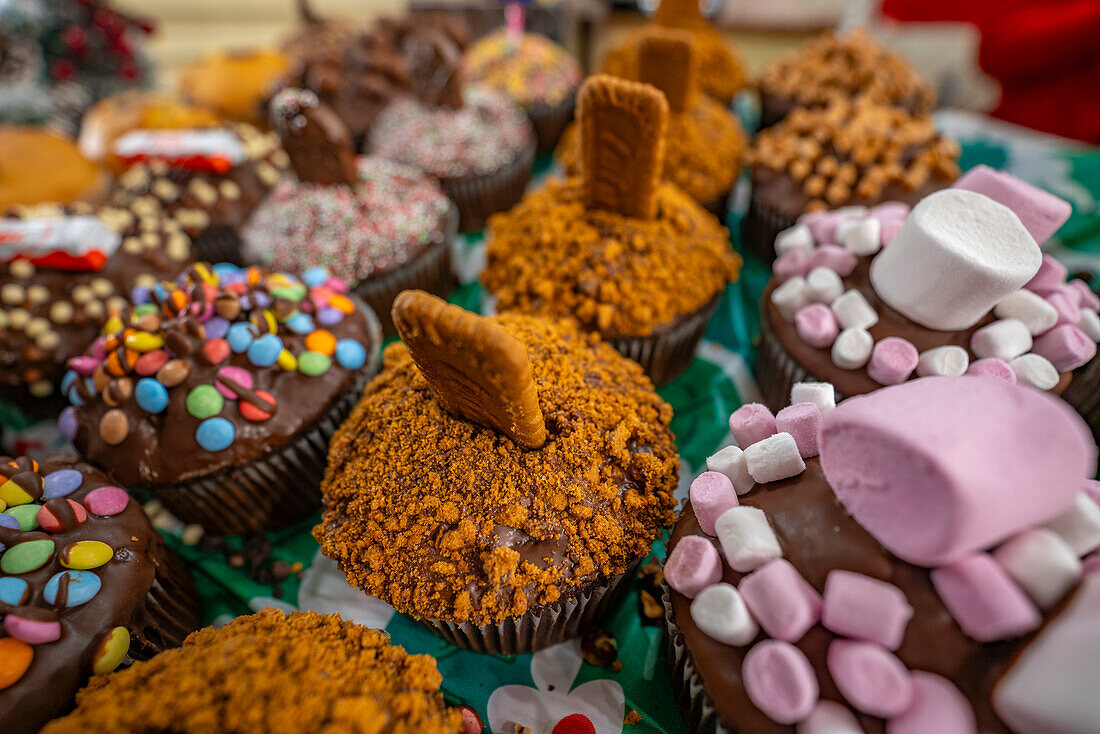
column 38, row 166
column 235, row 84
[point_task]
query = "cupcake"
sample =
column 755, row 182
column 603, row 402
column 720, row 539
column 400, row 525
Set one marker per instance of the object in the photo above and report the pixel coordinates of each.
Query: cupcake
column 620, row 252
column 721, row 70
column 86, row 585
column 38, row 167
column 841, row 67
column 63, row 271
column 219, row 393
column 869, row 589
column 960, row 286
column 537, row 74
column 235, row 84
column 209, row 179
column 705, row 143
column 271, row 672
column 380, row 225
column 515, row 467
column 850, row 153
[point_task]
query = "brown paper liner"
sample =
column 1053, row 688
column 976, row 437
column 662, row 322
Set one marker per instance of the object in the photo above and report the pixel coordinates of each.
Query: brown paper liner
column 170, row 611
column 759, row 227
column 478, row 197
column 547, row 625
column 217, row 244
column 1083, row 393
column 665, row 354
column 777, row 371
column 550, row 122
column 720, row 207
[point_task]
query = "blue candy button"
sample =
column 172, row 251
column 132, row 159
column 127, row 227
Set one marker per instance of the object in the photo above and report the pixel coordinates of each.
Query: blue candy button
column 314, row 277
column 12, row 590
column 300, row 323
column 83, row 586
column 350, row 354
column 7, row 521
column 151, row 395
column 265, row 351
column 215, row 434
column 239, row 336
column 61, row 483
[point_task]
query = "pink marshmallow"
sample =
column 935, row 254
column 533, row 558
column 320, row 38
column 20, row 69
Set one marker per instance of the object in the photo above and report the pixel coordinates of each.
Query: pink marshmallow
column 1086, row 297
column 890, row 230
column 865, row 608
column 1091, row 564
column 1066, row 347
column 998, row 369
column 823, row 225
column 892, row 361
column 791, row 264
column 1041, row 213
column 938, row 706
column 817, row 326
column 711, row 494
column 984, row 600
column 693, row 565
column 802, row 421
column 1051, row 275
column 780, row 681
column 890, row 210
column 781, row 601
column 1092, row 489
column 870, row 678
column 1068, row 312
column 750, row 423
column 835, row 258
column 942, row 466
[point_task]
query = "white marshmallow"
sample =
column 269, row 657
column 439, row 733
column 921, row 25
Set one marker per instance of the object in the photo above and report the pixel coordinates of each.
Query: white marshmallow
column 821, row 394
column 790, row 296
column 1041, row 563
column 775, row 457
column 719, row 611
column 1004, row 339
column 824, row 285
column 1035, row 370
column 1027, row 306
column 794, row 238
column 731, row 462
column 1079, row 525
column 861, row 236
column 957, row 255
column 1089, row 322
column 829, row 717
column 946, row 360
column 747, row 539
column 853, row 312
column 852, row 348
column 851, row 211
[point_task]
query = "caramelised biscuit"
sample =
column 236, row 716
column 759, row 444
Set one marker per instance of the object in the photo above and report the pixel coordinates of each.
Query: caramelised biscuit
column 667, row 61
column 316, row 140
column 680, row 13
column 476, row 368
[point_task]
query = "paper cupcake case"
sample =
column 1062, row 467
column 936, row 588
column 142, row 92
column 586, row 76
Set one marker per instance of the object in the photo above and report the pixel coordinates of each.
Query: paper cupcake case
column 720, row 207
column 759, row 228
column 479, row 197
column 667, row 353
column 777, row 372
column 217, row 244
column 171, row 610
column 550, row 122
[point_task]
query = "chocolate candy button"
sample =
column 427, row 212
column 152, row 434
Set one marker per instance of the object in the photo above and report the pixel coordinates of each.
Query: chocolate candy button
column 32, row 631
column 114, row 427
column 85, row 554
column 151, row 396
column 82, row 587
column 240, row 336
column 14, row 494
column 13, row 591
column 107, row 501
column 265, row 351
column 173, row 372
column 61, row 483
column 350, row 354
column 313, row 363
column 204, row 401
column 26, row 557
column 215, row 434
column 15, row 658
column 26, row 516
column 51, row 523
column 110, row 651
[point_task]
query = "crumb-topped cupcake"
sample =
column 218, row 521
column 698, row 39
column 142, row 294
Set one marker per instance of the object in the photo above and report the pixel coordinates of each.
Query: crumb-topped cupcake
column 38, row 166
column 622, row 253
column 515, row 467
column 705, row 142
column 269, row 672
column 219, row 392
column 850, row 153
column 923, row 574
column 86, row 585
column 382, row 226
column 841, row 67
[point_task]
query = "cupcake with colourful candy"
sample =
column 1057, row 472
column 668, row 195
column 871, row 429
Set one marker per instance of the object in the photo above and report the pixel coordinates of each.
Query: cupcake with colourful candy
column 921, row 559
column 219, row 392
column 86, row 585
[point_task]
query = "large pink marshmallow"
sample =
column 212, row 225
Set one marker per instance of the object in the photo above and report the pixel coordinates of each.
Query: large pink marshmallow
column 984, row 600
column 781, row 601
column 870, row 677
column 693, row 565
column 1041, row 213
column 750, row 423
column 941, row 466
column 865, row 608
column 1066, row 347
column 938, row 706
column 711, row 494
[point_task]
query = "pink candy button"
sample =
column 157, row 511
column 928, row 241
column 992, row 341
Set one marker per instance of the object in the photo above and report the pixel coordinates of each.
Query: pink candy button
column 780, row 681
column 31, row 631
column 865, row 608
column 781, row 601
column 693, row 565
column 998, row 369
column 106, row 501
column 750, row 423
column 984, row 600
column 237, row 375
column 1066, row 347
column 938, row 706
column 892, row 361
column 870, row 677
column 711, row 494
column 817, row 326
column 802, row 421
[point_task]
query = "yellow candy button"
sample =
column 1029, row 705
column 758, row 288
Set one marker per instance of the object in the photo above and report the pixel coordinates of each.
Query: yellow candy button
column 15, row 658
column 12, row 494
column 85, row 554
column 111, row 650
column 287, row 361
column 143, row 341
column 3, row 505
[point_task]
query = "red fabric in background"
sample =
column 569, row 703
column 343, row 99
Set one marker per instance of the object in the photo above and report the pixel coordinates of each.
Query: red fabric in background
column 1044, row 53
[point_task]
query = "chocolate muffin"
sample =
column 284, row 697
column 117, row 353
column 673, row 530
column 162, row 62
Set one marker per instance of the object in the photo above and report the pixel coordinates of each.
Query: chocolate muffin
column 268, row 672
column 850, row 153
column 625, row 255
column 516, row 468
column 219, row 392
column 86, row 585
column 922, row 574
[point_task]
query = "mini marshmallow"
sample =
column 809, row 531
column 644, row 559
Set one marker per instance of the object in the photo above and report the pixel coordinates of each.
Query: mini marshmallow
column 1044, row 566
column 938, row 706
column 824, row 285
column 1050, row 276
column 1089, row 324
column 693, row 565
column 998, row 369
column 985, row 602
column 1087, row 299
column 790, row 296
column 835, row 258
column 747, row 539
column 1029, row 307
column 957, row 255
column 950, row 359
column 794, row 238
column 794, row 264
column 1079, row 525
column 1003, row 339
column 1072, row 294
column 1066, row 346
column 720, row 612
column 848, row 212
column 822, row 224
column 1092, row 490
column 1035, row 371
column 861, row 237
column 711, row 494
column 802, row 421
column 781, row 601
column 852, row 348
column 821, row 394
column 890, row 230
column 870, row 677
column 865, row 608
column 780, row 681
column 776, row 457
column 1041, row 213
column 893, row 360
column 750, row 423
column 1063, row 305
column 829, row 717
column 853, row 312
column 730, row 461
column 889, row 210
column 816, row 325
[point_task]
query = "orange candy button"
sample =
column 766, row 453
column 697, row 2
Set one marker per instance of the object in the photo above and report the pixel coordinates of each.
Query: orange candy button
column 321, row 341
column 15, row 658
column 342, row 303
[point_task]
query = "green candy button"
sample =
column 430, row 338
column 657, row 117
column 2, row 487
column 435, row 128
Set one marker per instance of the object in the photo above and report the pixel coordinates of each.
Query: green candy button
column 144, row 309
column 26, row 557
column 204, row 402
column 27, row 515
column 313, row 363
column 291, row 292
